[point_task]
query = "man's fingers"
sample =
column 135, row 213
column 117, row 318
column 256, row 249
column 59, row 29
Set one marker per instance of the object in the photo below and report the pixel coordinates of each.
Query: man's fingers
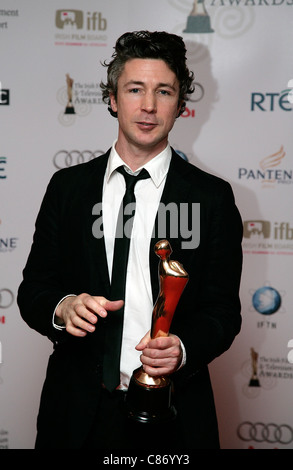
column 88, row 309
column 161, row 356
column 72, row 330
column 100, row 305
column 83, row 311
column 80, row 313
column 111, row 305
column 94, row 305
column 84, row 323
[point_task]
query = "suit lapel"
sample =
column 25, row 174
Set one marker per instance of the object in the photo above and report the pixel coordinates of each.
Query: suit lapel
column 94, row 245
column 175, row 191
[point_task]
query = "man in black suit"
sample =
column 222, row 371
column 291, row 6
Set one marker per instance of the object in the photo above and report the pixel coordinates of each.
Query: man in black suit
column 66, row 289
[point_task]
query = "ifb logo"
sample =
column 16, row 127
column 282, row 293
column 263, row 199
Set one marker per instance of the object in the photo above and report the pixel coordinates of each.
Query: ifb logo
column 260, row 229
column 69, row 19
column 73, row 19
column 256, row 228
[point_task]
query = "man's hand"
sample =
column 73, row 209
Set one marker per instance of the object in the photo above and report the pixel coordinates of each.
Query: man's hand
column 80, row 314
column 160, row 356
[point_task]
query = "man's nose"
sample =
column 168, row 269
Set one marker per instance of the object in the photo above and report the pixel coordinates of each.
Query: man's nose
column 149, row 103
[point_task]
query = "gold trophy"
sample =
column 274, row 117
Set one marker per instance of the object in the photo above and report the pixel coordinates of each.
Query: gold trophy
column 254, row 381
column 198, row 20
column 149, row 398
column 69, row 107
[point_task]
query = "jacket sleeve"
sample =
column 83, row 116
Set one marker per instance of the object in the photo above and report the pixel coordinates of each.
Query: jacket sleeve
column 41, row 288
column 209, row 317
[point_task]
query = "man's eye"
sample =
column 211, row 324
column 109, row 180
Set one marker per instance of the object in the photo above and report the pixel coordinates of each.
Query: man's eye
column 134, row 90
column 164, row 92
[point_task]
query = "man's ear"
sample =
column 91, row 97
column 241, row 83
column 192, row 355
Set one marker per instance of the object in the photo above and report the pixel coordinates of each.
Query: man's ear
column 179, row 108
column 113, row 103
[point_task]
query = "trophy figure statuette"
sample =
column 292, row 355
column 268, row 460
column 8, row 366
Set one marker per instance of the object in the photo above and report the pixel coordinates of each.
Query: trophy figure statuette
column 198, row 20
column 69, row 106
column 149, row 398
column 254, row 381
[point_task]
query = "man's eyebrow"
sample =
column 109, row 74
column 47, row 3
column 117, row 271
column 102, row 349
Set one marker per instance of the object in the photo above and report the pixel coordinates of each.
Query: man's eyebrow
column 133, row 82
column 167, row 85
column 160, row 85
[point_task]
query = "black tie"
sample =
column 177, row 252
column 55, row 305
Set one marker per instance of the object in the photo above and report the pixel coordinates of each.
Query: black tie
column 114, row 321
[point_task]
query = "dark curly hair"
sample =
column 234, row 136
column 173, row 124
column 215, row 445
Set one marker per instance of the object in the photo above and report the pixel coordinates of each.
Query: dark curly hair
column 148, row 45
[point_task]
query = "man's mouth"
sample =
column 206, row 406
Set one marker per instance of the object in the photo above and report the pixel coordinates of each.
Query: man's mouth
column 146, row 125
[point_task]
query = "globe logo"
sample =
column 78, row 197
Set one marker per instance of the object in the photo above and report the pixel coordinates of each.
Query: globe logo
column 266, row 300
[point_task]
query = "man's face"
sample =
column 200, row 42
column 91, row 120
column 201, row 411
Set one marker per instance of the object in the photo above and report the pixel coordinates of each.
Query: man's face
column 147, row 105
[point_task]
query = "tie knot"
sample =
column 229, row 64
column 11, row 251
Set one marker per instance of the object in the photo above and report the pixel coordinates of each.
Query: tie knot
column 131, row 180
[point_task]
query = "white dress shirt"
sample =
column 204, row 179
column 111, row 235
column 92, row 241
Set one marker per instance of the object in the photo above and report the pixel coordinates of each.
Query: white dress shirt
column 138, row 295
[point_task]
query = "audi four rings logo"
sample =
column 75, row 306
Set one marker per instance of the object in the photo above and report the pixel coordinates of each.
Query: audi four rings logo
column 270, row 433
column 65, row 159
column 6, row 298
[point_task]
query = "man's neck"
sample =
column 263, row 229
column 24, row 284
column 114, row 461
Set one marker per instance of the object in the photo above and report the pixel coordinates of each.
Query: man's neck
column 136, row 157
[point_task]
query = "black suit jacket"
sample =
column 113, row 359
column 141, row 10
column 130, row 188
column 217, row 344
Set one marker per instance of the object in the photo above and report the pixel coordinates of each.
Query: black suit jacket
column 66, row 258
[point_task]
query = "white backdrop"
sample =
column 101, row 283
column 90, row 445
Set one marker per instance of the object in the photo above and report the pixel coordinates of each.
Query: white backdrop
column 238, row 126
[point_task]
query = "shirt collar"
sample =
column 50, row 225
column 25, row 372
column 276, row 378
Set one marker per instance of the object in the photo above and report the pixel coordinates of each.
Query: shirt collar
column 157, row 166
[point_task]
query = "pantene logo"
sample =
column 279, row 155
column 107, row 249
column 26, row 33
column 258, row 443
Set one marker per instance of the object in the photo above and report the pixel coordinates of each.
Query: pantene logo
column 269, row 173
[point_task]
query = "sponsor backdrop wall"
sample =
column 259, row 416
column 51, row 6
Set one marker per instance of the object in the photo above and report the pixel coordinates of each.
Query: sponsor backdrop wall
column 238, row 125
